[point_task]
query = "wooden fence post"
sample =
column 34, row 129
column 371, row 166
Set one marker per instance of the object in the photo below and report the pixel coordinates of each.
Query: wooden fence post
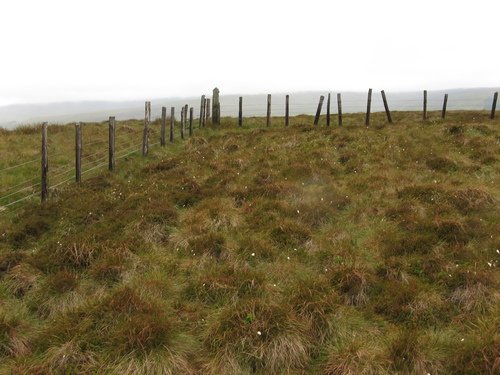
column 494, row 105
column 147, row 120
column 202, row 114
column 425, row 105
column 182, row 122
column 191, row 121
column 339, row 108
column 172, row 123
column 318, row 111
column 240, row 112
column 368, row 107
column 204, row 120
column 328, row 103
column 78, row 152
column 386, row 106
column 268, row 118
column 111, row 143
column 163, row 126
column 185, row 118
column 45, row 164
column 287, row 109
column 445, row 103
column 208, row 110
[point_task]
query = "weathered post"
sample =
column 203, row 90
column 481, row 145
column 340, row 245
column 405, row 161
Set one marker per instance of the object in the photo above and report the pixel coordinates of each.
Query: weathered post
column 111, row 143
column 78, row 152
column 445, row 103
column 182, row 122
column 186, row 107
column 494, row 105
column 172, row 123
column 208, row 110
column 163, row 126
column 268, row 118
column 425, row 105
column 287, row 109
column 339, row 108
column 191, row 121
column 147, row 120
column 215, row 107
column 202, row 114
column 328, row 103
column 368, row 107
column 45, row 164
column 205, row 110
column 386, row 106
column 318, row 111
column 240, row 112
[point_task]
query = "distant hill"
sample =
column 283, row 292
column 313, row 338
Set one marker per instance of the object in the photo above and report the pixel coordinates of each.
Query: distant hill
column 253, row 105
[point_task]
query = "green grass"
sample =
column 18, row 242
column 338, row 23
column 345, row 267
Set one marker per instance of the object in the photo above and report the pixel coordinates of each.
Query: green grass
column 305, row 250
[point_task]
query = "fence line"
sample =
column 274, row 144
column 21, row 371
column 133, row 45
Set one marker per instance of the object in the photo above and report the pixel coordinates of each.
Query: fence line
column 128, row 137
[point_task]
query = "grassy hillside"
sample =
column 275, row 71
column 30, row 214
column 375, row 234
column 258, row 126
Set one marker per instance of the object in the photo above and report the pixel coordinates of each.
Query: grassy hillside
column 306, row 250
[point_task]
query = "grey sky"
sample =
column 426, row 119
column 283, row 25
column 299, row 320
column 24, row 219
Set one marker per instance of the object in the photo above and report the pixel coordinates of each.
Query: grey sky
column 56, row 50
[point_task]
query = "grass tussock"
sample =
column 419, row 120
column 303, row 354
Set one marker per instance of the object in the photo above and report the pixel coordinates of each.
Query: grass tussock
column 253, row 250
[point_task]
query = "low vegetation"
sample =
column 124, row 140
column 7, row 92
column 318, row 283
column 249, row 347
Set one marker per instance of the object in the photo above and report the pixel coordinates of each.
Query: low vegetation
column 305, row 250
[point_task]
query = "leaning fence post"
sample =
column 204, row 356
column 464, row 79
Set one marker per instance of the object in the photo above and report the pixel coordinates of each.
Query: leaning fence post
column 339, row 108
column 425, row 105
column 318, row 111
column 494, row 105
column 368, row 107
column 445, row 103
column 172, row 123
column 268, row 118
column 328, row 103
column 111, row 143
column 191, row 121
column 78, row 152
column 386, row 106
column 202, row 105
column 163, row 125
column 147, row 120
column 240, row 112
column 287, row 109
column 182, row 122
column 45, row 164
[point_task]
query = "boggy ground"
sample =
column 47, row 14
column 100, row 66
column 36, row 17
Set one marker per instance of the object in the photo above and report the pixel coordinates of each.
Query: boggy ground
column 303, row 250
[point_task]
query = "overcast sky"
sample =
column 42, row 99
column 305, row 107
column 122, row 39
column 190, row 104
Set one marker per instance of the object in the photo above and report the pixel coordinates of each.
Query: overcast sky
column 59, row 50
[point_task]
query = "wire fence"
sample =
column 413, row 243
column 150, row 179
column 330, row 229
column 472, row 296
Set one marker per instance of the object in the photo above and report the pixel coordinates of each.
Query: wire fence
column 96, row 153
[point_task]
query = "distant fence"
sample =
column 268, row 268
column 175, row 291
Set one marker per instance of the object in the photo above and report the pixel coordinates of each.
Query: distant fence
column 123, row 145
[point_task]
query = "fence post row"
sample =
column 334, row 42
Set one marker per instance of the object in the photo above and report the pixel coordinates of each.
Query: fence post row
column 368, row 107
column 268, row 114
column 386, row 106
column 425, row 105
column 494, row 105
column 172, row 123
column 163, row 125
column 78, row 152
column 287, row 109
column 111, row 143
column 328, row 103
column 445, row 103
column 147, row 120
column 202, row 114
column 191, row 110
column 318, row 111
column 240, row 112
column 339, row 108
column 45, row 164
